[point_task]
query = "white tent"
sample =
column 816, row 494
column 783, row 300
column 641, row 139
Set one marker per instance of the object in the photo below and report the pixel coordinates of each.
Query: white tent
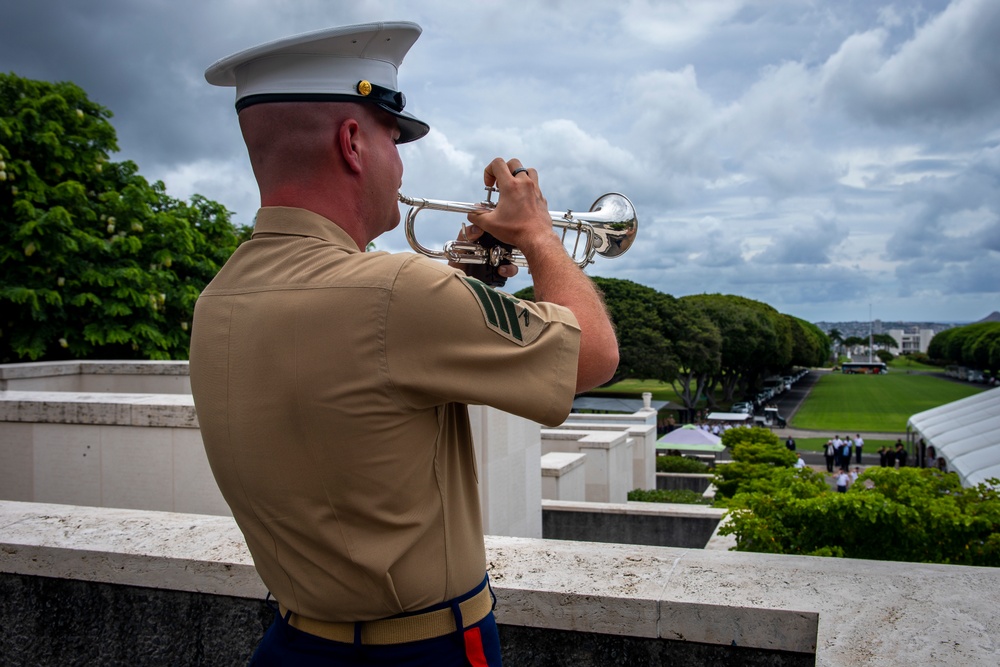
column 966, row 433
column 691, row 438
column 728, row 416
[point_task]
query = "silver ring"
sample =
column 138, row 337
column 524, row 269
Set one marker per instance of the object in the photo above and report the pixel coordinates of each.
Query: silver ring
column 518, row 171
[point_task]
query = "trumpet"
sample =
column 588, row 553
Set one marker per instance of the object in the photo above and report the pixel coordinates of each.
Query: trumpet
column 608, row 230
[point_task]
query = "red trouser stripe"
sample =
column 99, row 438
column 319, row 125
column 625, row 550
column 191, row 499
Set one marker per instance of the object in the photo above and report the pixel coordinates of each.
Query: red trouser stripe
column 474, row 648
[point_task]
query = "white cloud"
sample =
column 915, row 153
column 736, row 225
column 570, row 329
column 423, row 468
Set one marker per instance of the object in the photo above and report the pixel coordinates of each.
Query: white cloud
column 789, row 151
column 677, row 24
column 948, row 72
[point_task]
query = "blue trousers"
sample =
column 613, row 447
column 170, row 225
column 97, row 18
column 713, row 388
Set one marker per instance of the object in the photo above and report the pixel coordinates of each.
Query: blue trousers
column 477, row 645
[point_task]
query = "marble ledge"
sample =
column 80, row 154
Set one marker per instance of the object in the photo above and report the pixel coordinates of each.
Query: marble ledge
column 557, row 464
column 587, row 439
column 38, row 369
column 849, row 612
column 637, row 508
column 539, row 583
column 98, row 408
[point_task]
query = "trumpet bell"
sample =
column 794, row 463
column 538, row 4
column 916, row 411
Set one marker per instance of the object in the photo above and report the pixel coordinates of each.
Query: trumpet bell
column 615, row 234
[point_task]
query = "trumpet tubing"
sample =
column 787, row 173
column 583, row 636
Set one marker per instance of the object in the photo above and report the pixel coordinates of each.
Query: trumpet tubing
column 608, row 229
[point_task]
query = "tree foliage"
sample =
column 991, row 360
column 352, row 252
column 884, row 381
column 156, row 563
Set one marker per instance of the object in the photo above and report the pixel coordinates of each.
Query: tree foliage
column 761, row 465
column 909, row 514
column 97, row 263
column 974, row 345
column 810, row 345
column 682, row 464
column 757, row 341
column 682, row 496
column 659, row 338
column 700, row 342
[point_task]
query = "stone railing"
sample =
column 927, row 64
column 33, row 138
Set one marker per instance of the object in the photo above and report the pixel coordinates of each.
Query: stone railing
column 558, row 602
column 126, row 586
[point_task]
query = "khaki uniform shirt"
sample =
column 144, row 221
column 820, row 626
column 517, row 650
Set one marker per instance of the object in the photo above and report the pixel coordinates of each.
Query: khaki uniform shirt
column 330, row 386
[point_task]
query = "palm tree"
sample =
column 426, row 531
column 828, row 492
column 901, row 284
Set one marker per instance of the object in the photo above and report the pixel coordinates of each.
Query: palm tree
column 837, row 339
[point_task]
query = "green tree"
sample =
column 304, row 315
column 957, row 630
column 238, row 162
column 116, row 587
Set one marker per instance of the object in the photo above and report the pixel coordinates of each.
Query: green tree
column 910, row 514
column 658, row 337
column 756, row 340
column 698, row 345
column 97, row 263
column 973, row 345
column 640, row 315
column 761, row 465
column 837, row 338
column 810, row 346
column 885, row 340
column 937, row 349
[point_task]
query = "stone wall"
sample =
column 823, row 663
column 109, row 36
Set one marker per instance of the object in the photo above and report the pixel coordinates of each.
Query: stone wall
column 78, row 577
column 653, row 524
column 115, row 587
column 55, row 622
column 679, row 481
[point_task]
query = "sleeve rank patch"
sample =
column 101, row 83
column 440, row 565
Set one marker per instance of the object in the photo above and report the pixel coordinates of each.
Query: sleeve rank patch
column 504, row 314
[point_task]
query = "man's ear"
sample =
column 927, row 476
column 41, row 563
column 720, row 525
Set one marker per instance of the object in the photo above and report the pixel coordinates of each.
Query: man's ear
column 350, row 144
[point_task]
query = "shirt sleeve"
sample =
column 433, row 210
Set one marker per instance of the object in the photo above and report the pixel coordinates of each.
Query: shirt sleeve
column 450, row 338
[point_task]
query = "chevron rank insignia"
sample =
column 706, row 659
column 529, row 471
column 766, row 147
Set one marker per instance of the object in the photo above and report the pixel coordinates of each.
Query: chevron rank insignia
column 504, row 314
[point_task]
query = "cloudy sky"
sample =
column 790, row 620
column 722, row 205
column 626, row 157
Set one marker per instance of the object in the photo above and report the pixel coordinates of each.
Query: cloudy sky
column 832, row 159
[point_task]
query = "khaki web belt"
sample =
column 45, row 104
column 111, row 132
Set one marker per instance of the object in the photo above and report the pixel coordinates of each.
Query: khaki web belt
column 399, row 630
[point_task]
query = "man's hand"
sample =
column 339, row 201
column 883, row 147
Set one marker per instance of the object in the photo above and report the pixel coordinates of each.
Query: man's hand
column 521, row 218
column 471, row 233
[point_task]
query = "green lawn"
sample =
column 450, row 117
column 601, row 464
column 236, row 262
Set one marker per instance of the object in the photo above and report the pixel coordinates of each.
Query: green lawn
column 880, row 403
column 905, row 364
column 847, row 403
column 662, row 391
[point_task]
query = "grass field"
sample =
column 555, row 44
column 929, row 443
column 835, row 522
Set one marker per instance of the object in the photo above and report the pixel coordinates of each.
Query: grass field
column 661, row 391
column 880, row 403
column 904, row 364
column 848, row 403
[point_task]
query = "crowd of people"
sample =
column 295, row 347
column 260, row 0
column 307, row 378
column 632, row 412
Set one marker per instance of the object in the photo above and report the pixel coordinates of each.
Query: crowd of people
column 838, row 452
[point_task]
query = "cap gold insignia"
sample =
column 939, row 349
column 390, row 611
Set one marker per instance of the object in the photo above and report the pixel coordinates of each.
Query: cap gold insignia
column 364, row 87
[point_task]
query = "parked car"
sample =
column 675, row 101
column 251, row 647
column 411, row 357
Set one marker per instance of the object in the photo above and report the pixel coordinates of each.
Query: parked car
column 744, row 407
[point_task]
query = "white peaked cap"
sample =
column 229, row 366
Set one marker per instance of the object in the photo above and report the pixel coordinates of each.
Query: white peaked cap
column 356, row 63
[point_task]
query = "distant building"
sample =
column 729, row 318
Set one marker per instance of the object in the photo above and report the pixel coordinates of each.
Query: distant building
column 915, row 340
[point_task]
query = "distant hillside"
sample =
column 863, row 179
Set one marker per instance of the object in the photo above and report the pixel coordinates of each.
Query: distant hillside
column 861, row 329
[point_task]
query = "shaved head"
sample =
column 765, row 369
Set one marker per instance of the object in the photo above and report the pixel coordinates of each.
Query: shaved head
column 328, row 157
column 294, row 141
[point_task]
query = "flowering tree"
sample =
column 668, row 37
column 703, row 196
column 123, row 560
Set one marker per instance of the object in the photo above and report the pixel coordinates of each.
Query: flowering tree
column 97, row 263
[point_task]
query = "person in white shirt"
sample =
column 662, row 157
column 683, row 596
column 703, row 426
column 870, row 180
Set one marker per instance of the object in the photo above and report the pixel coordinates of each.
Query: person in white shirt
column 842, row 481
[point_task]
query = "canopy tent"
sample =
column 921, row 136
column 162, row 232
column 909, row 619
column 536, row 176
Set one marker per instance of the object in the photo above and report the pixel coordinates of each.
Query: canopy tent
column 710, row 449
column 966, row 433
column 728, row 416
column 691, row 438
column 627, row 405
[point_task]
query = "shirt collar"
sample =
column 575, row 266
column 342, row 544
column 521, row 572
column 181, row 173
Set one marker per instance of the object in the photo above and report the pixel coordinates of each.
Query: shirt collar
column 300, row 222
